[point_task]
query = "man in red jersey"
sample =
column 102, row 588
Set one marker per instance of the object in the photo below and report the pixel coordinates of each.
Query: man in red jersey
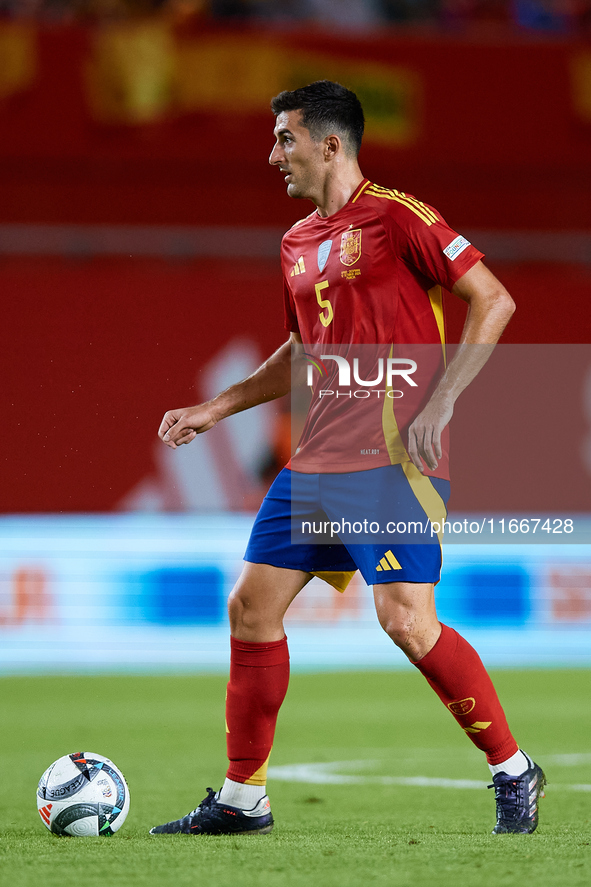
column 364, row 271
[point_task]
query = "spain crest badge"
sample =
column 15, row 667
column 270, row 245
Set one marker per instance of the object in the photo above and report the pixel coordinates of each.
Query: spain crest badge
column 350, row 246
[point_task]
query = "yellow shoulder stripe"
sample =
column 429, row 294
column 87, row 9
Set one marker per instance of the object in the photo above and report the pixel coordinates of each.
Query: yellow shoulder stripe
column 409, row 197
column 416, row 206
column 405, row 203
column 420, row 203
column 357, row 196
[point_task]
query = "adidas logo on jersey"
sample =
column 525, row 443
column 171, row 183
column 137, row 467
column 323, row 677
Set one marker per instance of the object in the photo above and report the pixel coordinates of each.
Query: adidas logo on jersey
column 388, row 562
column 299, row 267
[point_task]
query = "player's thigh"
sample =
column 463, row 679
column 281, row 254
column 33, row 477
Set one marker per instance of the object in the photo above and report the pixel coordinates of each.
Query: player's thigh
column 264, row 593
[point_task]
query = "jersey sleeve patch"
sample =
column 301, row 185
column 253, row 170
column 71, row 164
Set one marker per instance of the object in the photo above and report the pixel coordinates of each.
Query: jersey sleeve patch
column 457, row 246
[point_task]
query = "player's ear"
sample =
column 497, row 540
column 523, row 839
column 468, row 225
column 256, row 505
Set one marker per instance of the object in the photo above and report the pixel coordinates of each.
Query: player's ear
column 332, row 146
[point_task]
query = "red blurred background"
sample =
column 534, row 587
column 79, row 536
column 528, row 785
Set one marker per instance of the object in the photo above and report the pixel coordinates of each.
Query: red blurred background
column 140, row 222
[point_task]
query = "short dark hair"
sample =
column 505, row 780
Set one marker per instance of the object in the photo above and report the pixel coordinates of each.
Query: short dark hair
column 326, row 107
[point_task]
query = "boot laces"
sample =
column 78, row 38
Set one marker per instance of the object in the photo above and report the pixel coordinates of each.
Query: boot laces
column 205, row 803
column 509, row 797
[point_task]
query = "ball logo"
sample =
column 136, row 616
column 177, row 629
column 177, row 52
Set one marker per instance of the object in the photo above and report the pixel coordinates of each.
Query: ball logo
column 105, row 788
column 44, row 813
column 462, row 706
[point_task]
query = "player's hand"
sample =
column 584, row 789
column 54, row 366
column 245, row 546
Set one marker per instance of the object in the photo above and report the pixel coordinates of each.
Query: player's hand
column 424, row 435
column 182, row 426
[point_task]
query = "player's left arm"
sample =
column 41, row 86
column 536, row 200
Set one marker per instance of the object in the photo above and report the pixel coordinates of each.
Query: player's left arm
column 489, row 310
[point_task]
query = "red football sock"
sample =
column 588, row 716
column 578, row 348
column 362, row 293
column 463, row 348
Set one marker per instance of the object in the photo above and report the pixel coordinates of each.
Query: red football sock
column 259, row 675
column 456, row 673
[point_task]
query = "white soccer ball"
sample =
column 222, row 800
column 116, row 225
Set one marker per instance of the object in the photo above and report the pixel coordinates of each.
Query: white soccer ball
column 83, row 794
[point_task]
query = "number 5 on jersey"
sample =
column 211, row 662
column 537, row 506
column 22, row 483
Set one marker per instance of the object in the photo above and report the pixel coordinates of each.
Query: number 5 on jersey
column 325, row 319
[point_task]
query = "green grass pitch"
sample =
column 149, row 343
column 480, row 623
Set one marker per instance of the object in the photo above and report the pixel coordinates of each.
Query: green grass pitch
column 167, row 736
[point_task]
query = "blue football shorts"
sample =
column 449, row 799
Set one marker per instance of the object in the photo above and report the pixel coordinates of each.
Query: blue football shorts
column 385, row 522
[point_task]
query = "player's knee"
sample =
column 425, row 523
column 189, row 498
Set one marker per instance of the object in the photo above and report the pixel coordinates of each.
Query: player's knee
column 235, row 609
column 399, row 631
column 243, row 612
column 398, row 623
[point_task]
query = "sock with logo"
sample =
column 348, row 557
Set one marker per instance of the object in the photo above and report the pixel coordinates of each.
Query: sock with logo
column 455, row 671
column 259, row 675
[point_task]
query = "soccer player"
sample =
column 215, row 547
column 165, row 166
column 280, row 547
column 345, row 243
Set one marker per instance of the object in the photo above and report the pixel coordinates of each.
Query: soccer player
column 366, row 268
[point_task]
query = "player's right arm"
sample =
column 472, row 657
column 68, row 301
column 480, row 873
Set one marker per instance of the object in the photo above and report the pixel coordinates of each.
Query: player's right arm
column 271, row 380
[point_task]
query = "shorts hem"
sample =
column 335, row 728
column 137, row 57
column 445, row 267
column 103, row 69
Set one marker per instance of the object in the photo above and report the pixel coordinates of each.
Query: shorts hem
column 268, row 563
column 412, row 581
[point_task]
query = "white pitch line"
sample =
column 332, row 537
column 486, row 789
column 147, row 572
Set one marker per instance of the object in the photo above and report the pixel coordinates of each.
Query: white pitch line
column 570, row 760
column 325, row 774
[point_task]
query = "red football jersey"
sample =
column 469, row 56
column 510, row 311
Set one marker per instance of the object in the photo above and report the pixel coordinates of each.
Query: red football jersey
column 370, row 275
